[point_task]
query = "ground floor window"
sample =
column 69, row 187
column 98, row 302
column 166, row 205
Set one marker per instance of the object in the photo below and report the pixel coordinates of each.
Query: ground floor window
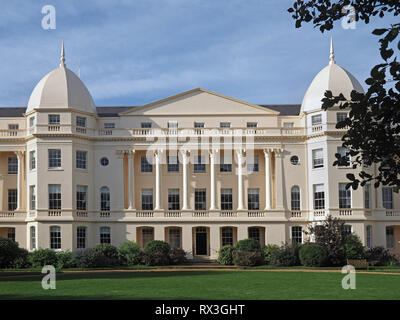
column 369, row 236
column 55, row 238
column 389, row 237
column 33, row 238
column 105, row 235
column 147, row 235
column 11, row 234
column 348, row 229
column 175, row 237
column 297, row 235
column 227, row 236
column 254, row 233
column 81, row 238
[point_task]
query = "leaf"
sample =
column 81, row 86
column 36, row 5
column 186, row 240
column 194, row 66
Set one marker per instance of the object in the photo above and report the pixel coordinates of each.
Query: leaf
column 379, row 32
column 350, row 176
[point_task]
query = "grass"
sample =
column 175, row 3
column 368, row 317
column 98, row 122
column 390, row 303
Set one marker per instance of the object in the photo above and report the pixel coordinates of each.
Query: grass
column 199, row 285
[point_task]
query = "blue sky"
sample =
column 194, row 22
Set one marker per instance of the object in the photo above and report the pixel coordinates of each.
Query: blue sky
column 137, row 51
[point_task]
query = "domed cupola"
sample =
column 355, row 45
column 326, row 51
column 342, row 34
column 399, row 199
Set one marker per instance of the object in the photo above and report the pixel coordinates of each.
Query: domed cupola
column 61, row 89
column 333, row 78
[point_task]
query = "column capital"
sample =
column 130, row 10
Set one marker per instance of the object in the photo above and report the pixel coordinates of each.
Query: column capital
column 19, row 153
column 267, row 152
column 213, row 152
column 278, row 153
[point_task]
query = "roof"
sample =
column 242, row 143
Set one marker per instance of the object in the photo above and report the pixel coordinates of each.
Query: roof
column 284, row 109
column 12, row 112
column 111, row 111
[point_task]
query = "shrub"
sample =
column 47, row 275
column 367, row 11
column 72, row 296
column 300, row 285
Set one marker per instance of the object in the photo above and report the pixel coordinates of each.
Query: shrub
column 21, row 260
column 177, row 256
column 247, row 258
column 130, row 253
column 109, row 253
column 156, row 253
column 247, row 245
column 9, row 251
column 271, row 254
column 353, row 247
column 87, row 258
column 313, row 255
column 42, row 257
column 225, row 255
column 288, row 255
column 380, row 256
column 65, row 259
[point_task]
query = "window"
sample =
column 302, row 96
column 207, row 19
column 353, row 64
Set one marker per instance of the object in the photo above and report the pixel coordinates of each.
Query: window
column 294, row 160
column 348, row 228
column 54, row 119
column 297, row 235
column 33, row 238
column 32, row 197
column 199, row 124
column 341, row 116
column 109, row 125
column 288, row 124
column 54, row 158
column 254, row 233
column 387, row 198
column 344, row 152
column 12, row 165
column 55, row 238
column 147, row 235
column 319, row 197
column 81, row 160
column 295, row 198
column 105, row 199
column 81, row 198
column 200, row 200
column 227, row 236
column 11, row 234
column 147, row 199
column 226, row 199
column 251, row 124
column 32, row 160
column 105, row 235
column 389, row 237
column 172, row 125
column 173, row 199
column 145, row 165
column 367, row 196
column 252, row 164
column 173, row 164
column 224, row 124
column 54, row 196
column 368, row 231
column 344, row 196
column 12, row 199
column 31, row 122
column 316, row 120
column 81, row 122
column 318, row 158
column 253, row 199
column 175, row 237
column 225, row 163
column 145, row 125
column 14, row 127
column 81, row 237
column 104, row 161
column 199, row 165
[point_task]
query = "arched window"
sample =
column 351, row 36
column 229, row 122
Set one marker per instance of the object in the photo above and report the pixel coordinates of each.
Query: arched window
column 295, row 198
column 105, row 199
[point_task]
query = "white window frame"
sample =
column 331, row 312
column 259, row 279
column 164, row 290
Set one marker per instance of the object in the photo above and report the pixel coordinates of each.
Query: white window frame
column 318, row 158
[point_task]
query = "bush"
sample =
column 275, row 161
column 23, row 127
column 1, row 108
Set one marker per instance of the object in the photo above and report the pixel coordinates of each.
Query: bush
column 87, row 258
column 9, row 251
column 247, row 258
column 313, row 255
column 380, row 256
column 65, row 259
column 156, row 253
column 353, row 247
column 177, row 256
column 110, row 255
column 247, row 245
column 130, row 253
column 288, row 255
column 225, row 255
column 21, row 260
column 42, row 257
column 271, row 254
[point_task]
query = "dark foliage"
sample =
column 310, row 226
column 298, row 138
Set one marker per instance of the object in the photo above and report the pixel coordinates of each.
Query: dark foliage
column 313, row 255
column 177, row 256
column 156, row 253
column 9, row 251
column 130, row 253
column 247, row 245
column 42, row 257
column 225, row 255
column 247, row 258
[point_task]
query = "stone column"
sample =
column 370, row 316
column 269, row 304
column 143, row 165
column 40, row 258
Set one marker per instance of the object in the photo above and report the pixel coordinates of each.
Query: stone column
column 131, row 177
column 20, row 155
column 267, row 156
column 239, row 156
column 157, row 156
column 213, row 155
column 185, row 162
column 279, row 178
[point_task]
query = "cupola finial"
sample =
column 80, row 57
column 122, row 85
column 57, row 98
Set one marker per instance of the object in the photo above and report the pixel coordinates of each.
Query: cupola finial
column 332, row 54
column 62, row 59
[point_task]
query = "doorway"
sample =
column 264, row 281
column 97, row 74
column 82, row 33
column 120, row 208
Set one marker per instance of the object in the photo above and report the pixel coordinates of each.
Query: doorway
column 201, row 241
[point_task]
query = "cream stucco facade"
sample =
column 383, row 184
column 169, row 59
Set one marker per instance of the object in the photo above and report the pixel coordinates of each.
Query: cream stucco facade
column 73, row 175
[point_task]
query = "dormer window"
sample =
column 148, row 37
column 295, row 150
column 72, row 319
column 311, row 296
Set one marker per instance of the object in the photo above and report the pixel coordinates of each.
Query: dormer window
column 81, row 122
column 54, row 119
column 316, row 120
column 145, row 125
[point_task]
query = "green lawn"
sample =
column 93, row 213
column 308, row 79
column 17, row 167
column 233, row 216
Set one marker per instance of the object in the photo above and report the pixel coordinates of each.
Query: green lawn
column 200, row 285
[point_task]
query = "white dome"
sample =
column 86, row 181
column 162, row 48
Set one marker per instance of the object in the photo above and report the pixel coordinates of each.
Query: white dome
column 333, row 78
column 62, row 89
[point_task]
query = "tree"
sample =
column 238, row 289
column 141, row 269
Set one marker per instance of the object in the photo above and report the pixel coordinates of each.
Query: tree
column 373, row 135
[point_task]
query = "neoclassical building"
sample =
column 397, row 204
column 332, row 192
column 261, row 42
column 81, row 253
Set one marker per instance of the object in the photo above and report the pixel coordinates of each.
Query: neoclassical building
column 198, row 169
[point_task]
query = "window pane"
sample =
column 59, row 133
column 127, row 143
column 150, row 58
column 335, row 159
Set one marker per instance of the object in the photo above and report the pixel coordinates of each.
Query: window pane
column 173, row 199
column 12, row 199
column 81, row 238
column 387, row 198
column 226, row 199
column 80, row 121
column 81, row 160
column 199, row 165
column 81, row 198
column 318, row 158
column 316, row 120
column 54, row 158
column 344, row 196
column 319, row 197
column 297, row 235
column 54, row 197
column 225, row 163
column 12, row 165
column 173, row 164
column 295, row 198
column 55, row 238
column 147, row 235
column 147, row 199
column 145, row 165
column 227, row 236
column 54, row 119
column 200, row 199
column 253, row 199
column 175, row 237
column 252, row 164
column 105, row 199
column 105, row 235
